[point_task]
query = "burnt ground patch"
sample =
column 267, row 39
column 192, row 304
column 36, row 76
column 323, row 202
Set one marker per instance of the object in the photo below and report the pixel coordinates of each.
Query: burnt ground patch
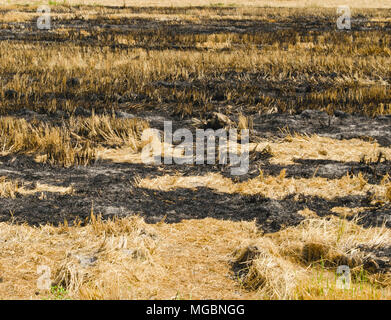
column 171, row 206
column 339, row 125
column 307, row 168
column 108, row 189
column 377, row 216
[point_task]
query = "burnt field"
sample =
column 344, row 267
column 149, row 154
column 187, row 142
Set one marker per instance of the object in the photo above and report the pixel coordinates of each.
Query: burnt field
column 75, row 100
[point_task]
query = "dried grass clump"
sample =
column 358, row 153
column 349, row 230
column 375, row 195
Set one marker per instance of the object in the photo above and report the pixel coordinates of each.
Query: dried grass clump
column 122, row 249
column 73, row 143
column 244, row 123
column 67, row 155
column 260, row 267
column 298, row 146
column 334, row 241
column 300, row 262
column 119, row 226
column 82, row 259
column 71, row 276
column 388, row 193
column 54, row 143
column 384, row 193
column 109, row 130
column 275, row 187
column 9, row 188
column 328, row 255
